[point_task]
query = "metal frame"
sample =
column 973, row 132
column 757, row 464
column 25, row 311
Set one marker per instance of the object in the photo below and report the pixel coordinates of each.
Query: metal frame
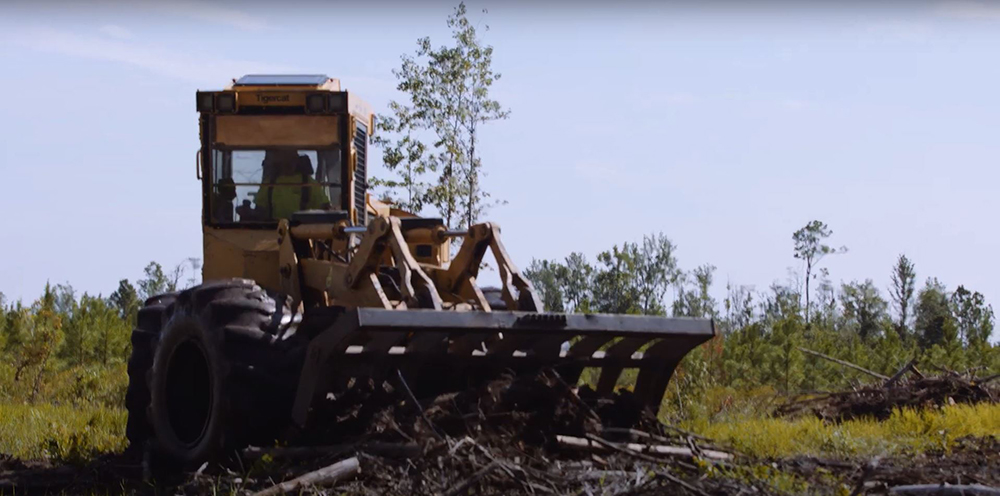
column 416, row 337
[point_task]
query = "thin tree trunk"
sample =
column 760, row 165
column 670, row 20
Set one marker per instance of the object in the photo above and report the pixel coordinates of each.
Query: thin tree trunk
column 409, row 185
column 38, row 378
column 20, row 369
column 808, row 275
column 473, row 174
column 901, row 328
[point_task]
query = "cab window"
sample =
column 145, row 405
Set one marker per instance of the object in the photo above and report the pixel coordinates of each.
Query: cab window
column 264, row 185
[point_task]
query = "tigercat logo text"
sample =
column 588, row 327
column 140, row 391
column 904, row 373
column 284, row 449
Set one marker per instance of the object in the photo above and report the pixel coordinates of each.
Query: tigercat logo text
column 268, row 99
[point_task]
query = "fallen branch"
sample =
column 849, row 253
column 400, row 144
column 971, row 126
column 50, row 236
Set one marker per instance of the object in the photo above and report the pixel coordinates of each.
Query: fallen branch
column 866, row 473
column 620, row 434
column 987, row 379
column 685, row 433
column 945, row 490
column 388, row 450
column 575, row 397
column 681, row 483
column 633, row 453
column 325, row 476
column 591, row 475
column 479, row 474
column 899, row 375
column 842, row 362
column 946, row 370
column 592, row 443
column 423, row 413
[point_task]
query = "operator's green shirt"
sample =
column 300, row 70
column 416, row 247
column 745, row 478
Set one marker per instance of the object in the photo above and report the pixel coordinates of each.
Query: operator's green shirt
column 284, row 200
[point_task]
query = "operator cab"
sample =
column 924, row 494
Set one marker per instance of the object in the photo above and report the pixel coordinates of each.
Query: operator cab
column 278, row 147
column 273, row 145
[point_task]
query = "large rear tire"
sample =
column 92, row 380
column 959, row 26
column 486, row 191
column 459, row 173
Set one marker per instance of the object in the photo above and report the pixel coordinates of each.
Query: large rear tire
column 149, row 323
column 224, row 372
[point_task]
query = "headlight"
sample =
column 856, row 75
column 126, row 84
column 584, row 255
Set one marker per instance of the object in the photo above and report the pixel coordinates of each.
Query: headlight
column 316, row 103
column 338, row 102
column 226, row 102
column 206, row 102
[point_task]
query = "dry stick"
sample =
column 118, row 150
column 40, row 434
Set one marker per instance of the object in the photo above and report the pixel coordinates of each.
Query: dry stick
column 866, row 473
column 403, row 450
column 846, row 364
column 681, row 483
column 686, row 433
column 643, row 434
column 898, row 375
column 479, row 474
column 423, row 414
column 615, row 447
column 638, row 449
column 946, row 370
column 971, row 371
column 705, row 442
column 635, row 454
column 573, row 396
column 325, row 476
column 694, row 448
column 988, row 379
column 508, row 466
column 641, row 456
column 601, row 474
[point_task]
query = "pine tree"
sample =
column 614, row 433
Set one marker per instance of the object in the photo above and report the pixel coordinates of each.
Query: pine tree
column 903, row 283
column 810, row 249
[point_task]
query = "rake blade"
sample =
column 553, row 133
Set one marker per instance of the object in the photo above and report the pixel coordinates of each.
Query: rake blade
column 434, row 346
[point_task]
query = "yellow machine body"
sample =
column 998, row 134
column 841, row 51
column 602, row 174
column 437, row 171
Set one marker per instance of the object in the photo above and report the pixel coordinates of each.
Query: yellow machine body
column 312, row 289
column 259, row 112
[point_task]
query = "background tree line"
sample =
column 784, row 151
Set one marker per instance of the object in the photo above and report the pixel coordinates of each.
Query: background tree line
column 73, row 341
column 428, row 140
column 762, row 331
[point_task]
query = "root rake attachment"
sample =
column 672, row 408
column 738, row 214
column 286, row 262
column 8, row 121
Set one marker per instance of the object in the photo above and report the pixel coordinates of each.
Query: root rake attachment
column 360, row 342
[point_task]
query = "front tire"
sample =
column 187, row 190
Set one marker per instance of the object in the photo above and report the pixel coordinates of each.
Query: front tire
column 223, row 374
column 149, row 323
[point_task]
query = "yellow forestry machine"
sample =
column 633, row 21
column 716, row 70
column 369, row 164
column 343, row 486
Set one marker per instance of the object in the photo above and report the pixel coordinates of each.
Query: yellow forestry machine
column 311, row 288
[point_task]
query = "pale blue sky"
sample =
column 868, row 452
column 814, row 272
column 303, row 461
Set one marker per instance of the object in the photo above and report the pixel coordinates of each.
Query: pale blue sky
column 725, row 129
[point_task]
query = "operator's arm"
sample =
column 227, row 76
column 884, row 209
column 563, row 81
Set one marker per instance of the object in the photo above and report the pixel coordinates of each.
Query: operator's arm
column 318, row 199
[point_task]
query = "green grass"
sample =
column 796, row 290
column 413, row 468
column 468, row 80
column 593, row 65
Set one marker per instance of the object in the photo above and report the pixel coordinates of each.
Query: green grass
column 906, row 431
column 83, row 425
column 64, row 432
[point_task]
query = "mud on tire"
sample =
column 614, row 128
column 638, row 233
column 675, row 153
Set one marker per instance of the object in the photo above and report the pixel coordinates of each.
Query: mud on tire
column 223, row 373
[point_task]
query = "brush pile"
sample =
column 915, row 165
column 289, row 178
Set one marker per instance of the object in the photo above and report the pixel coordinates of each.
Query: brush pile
column 514, row 435
column 880, row 400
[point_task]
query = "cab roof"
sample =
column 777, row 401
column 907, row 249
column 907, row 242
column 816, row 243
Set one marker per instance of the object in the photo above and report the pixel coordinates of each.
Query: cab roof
column 286, row 82
column 282, row 80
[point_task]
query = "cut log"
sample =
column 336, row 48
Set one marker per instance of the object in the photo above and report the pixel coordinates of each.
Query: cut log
column 326, row 476
column 653, row 449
